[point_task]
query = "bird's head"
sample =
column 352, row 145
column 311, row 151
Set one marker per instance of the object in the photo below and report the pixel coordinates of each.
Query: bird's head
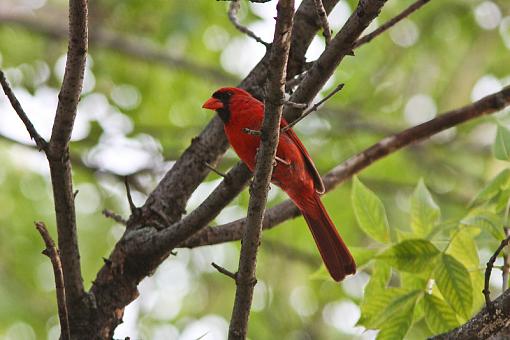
column 223, row 99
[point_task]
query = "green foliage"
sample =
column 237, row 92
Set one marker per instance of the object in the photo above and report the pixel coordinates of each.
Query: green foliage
column 438, row 283
column 369, row 212
column 439, row 316
column 501, row 146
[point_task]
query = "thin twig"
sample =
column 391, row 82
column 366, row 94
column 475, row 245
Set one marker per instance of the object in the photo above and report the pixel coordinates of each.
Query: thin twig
column 488, row 270
column 216, row 171
column 323, row 17
column 39, row 141
column 314, row 107
column 114, row 216
column 234, row 7
column 390, row 23
column 275, row 86
column 506, row 264
column 52, row 252
column 224, row 271
column 132, row 205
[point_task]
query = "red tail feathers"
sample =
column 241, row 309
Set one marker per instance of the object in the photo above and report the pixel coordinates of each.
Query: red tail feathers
column 334, row 252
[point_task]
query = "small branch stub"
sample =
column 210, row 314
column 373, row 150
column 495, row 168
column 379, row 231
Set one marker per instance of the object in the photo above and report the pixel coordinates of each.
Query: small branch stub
column 224, row 271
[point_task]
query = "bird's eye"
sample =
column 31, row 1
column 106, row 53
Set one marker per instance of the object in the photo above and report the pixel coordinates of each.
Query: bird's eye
column 229, row 94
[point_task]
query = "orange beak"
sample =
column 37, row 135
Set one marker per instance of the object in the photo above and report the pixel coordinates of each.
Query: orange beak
column 213, row 104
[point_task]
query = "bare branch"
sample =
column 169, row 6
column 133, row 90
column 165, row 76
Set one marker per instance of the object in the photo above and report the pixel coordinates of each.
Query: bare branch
column 141, row 49
column 60, row 165
column 132, row 205
column 506, row 264
column 233, row 9
column 321, row 12
column 52, row 252
column 488, row 271
column 286, row 210
column 114, row 216
column 216, row 171
column 314, row 107
column 246, row 277
column 39, row 141
column 224, row 271
column 390, row 23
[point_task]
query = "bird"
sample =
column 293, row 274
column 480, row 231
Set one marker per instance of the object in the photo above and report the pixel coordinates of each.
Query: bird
column 293, row 171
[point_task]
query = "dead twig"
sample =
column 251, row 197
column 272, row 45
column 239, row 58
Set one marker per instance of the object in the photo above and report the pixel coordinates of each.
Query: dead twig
column 224, row 271
column 323, row 17
column 39, row 141
column 315, row 107
column 132, row 205
column 234, row 7
column 488, row 270
column 52, row 252
column 114, row 216
column 390, row 23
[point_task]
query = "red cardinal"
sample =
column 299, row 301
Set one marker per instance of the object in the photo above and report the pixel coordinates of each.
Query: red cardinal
column 294, row 172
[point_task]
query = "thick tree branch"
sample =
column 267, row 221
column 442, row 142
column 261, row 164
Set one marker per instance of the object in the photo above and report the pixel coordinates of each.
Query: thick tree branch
column 286, row 210
column 390, row 23
column 275, row 90
column 39, row 141
column 52, row 252
column 60, row 165
column 117, row 42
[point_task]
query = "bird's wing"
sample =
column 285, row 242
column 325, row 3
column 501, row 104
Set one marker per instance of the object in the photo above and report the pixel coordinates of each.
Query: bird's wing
column 317, row 180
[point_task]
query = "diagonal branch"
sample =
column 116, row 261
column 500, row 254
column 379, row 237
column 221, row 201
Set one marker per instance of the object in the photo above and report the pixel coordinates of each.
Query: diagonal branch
column 52, row 252
column 286, row 210
column 321, row 12
column 233, row 9
column 275, row 91
column 390, row 23
column 39, row 141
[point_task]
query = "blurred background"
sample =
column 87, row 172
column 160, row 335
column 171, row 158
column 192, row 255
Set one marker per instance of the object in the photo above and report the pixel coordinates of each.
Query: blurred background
column 150, row 67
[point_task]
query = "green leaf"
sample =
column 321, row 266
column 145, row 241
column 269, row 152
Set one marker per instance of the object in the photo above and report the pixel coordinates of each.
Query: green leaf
column 369, row 212
column 411, row 255
column 390, row 303
column 424, row 211
column 362, row 255
column 439, row 316
column 381, row 274
column 485, row 220
column 501, row 146
column 491, row 189
column 454, row 283
column 463, row 247
column 397, row 326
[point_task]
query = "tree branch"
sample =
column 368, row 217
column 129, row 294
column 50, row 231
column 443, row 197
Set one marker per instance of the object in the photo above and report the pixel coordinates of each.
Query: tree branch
column 134, row 47
column 321, row 12
column 60, row 165
column 488, row 270
column 52, row 252
column 233, row 9
column 275, row 91
column 39, row 141
column 390, row 23
column 286, row 210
